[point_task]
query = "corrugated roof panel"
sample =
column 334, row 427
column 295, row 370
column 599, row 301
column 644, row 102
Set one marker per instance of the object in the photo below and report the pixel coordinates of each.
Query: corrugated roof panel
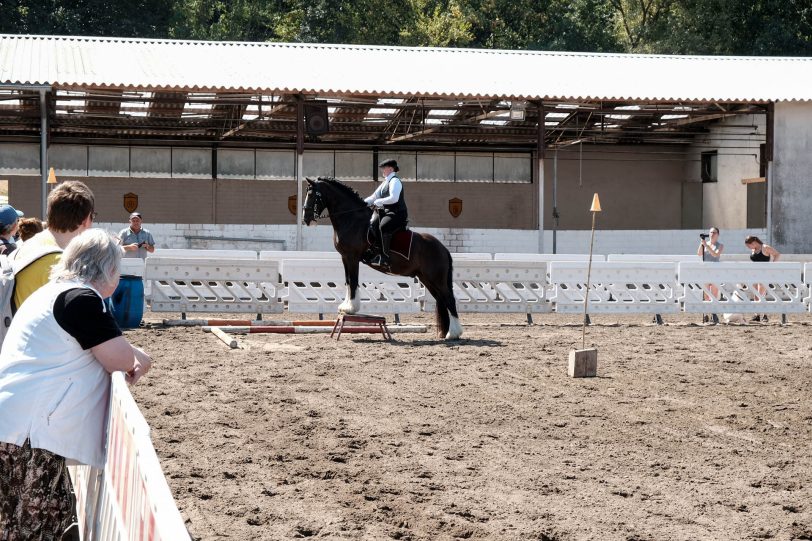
column 328, row 69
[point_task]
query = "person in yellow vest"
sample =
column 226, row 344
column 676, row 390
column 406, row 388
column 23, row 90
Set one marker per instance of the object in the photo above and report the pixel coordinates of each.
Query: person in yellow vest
column 70, row 212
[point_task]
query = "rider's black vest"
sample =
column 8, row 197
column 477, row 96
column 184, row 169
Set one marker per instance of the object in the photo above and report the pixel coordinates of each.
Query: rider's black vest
column 399, row 206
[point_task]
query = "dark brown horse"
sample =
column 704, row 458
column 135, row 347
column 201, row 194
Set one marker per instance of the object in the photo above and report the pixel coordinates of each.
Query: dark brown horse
column 428, row 259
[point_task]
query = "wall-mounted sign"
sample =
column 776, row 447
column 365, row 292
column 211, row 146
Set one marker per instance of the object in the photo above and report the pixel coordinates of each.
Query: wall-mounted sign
column 130, row 202
column 292, row 207
column 455, row 207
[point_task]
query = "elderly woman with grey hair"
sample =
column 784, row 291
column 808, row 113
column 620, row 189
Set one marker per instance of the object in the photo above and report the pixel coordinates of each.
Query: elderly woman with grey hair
column 55, row 368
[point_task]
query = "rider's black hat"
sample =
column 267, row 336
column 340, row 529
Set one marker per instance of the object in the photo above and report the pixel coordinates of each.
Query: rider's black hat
column 390, row 163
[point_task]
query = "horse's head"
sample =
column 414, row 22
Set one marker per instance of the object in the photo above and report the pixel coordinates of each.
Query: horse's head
column 313, row 203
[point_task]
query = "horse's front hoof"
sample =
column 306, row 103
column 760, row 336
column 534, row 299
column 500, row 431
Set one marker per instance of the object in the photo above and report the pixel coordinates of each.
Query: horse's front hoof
column 454, row 329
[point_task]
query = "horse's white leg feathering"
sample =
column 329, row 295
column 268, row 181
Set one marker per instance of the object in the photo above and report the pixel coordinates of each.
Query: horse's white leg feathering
column 454, row 328
column 348, row 306
column 351, row 305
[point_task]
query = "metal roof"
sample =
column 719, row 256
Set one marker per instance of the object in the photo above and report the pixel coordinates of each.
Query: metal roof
column 197, row 66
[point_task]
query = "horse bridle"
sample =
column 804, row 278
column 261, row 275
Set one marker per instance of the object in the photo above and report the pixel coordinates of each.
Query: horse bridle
column 318, row 207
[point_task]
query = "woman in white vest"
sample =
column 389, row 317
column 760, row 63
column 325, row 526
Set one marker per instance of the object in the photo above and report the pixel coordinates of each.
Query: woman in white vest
column 55, row 368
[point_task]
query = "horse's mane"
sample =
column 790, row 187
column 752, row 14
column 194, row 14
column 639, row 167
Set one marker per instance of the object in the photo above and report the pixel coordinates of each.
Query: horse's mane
column 350, row 192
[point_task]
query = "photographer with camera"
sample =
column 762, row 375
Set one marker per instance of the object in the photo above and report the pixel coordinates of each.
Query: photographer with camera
column 135, row 240
column 710, row 249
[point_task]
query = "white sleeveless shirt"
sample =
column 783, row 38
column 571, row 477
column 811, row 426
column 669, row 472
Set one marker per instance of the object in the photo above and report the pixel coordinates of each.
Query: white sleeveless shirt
column 51, row 390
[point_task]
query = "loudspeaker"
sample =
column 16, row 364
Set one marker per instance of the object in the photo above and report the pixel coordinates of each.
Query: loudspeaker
column 317, row 122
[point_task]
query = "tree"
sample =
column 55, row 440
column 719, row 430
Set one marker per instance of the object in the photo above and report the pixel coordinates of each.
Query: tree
column 556, row 25
column 135, row 18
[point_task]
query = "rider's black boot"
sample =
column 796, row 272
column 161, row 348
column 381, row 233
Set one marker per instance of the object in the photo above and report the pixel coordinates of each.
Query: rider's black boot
column 386, row 242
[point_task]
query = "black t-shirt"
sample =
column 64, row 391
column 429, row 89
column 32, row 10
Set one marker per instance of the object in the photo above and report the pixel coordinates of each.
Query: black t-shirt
column 80, row 313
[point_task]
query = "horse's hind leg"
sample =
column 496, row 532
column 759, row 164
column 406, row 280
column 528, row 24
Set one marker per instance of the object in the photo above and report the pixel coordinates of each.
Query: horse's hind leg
column 454, row 326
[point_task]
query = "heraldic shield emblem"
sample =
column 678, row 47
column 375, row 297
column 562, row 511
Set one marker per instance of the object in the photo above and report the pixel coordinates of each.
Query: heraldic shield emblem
column 130, row 202
column 292, row 204
column 455, row 207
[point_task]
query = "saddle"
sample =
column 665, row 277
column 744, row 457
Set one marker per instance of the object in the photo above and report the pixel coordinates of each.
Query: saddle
column 401, row 245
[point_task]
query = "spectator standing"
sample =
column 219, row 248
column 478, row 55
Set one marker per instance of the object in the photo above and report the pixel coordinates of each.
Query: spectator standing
column 28, row 228
column 761, row 253
column 710, row 249
column 55, row 368
column 70, row 212
column 9, row 225
column 136, row 240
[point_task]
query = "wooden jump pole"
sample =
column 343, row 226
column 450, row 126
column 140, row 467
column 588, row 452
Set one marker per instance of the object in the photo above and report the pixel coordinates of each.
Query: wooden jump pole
column 224, row 337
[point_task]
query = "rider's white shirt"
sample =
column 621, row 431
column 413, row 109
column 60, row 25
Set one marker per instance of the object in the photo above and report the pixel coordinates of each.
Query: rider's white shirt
column 395, row 188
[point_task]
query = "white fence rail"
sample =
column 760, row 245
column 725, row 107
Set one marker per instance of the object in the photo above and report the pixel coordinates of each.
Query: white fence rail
column 130, row 499
column 318, row 286
column 313, row 282
column 498, row 286
column 202, row 285
column 205, row 254
column 742, row 288
column 545, row 258
column 654, row 258
column 615, row 287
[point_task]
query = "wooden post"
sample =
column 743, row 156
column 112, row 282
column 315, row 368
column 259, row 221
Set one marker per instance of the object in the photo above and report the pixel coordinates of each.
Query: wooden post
column 583, row 363
column 595, row 209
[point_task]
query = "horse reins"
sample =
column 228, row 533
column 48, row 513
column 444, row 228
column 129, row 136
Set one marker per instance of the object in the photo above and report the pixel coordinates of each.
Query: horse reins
column 317, row 216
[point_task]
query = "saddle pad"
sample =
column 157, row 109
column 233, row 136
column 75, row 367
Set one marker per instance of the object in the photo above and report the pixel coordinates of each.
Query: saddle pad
column 402, row 243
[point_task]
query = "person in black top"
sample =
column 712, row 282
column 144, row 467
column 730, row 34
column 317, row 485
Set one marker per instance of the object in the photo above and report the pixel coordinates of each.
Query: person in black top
column 390, row 213
column 55, row 367
column 761, row 253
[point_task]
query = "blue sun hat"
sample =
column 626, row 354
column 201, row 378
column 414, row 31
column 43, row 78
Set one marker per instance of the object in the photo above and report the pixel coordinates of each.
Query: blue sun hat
column 8, row 215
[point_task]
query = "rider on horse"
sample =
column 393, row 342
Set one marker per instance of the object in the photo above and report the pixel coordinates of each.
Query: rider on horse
column 390, row 213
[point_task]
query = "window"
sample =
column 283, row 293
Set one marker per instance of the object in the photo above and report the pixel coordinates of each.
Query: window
column 709, row 166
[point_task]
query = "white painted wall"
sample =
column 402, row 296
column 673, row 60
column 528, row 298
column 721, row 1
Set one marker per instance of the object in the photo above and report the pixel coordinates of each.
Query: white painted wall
column 737, row 140
column 319, row 238
column 792, row 178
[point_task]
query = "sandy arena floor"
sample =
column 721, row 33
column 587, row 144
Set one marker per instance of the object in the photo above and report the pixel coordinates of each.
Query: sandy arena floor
column 688, row 432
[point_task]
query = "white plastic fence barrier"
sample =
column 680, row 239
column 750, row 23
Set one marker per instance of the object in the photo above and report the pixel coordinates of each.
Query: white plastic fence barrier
column 546, row 258
column 743, row 288
column 654, row 258
column 808, row 285
column 198, row 285
column 130, row 499
column 785, row 258
column 497, row 286
column 318, row 286
column 615, row 287
column 467, row 256
column 204, row 254
column 132, row 266
column 279, row 255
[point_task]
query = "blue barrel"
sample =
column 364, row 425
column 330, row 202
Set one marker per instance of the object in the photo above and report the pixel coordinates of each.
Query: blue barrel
column 128, row 302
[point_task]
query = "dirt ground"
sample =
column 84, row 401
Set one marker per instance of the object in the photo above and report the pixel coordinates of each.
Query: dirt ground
column 689, row 432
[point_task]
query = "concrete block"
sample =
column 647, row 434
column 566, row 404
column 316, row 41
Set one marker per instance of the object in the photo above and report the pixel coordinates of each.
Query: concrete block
column 583, row 363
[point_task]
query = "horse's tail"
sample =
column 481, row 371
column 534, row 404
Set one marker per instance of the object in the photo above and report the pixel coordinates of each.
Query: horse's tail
column 441, row 318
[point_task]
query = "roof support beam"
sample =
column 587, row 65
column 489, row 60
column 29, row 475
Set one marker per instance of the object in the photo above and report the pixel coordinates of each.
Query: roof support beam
column 485, row 116
column 237, row 129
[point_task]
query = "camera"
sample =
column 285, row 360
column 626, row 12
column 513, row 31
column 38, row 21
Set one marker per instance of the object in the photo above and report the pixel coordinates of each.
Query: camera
column 703, row 236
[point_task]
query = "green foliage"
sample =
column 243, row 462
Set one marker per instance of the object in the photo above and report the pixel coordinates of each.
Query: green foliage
column 735, row 27
column 134, row 18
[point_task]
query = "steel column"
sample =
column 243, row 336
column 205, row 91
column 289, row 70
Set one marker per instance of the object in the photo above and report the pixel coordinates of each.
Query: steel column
column 43, row 151
column 299, row 166
column 540, row 174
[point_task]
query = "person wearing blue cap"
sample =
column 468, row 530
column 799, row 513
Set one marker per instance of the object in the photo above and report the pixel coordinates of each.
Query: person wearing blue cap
column 8, row 228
